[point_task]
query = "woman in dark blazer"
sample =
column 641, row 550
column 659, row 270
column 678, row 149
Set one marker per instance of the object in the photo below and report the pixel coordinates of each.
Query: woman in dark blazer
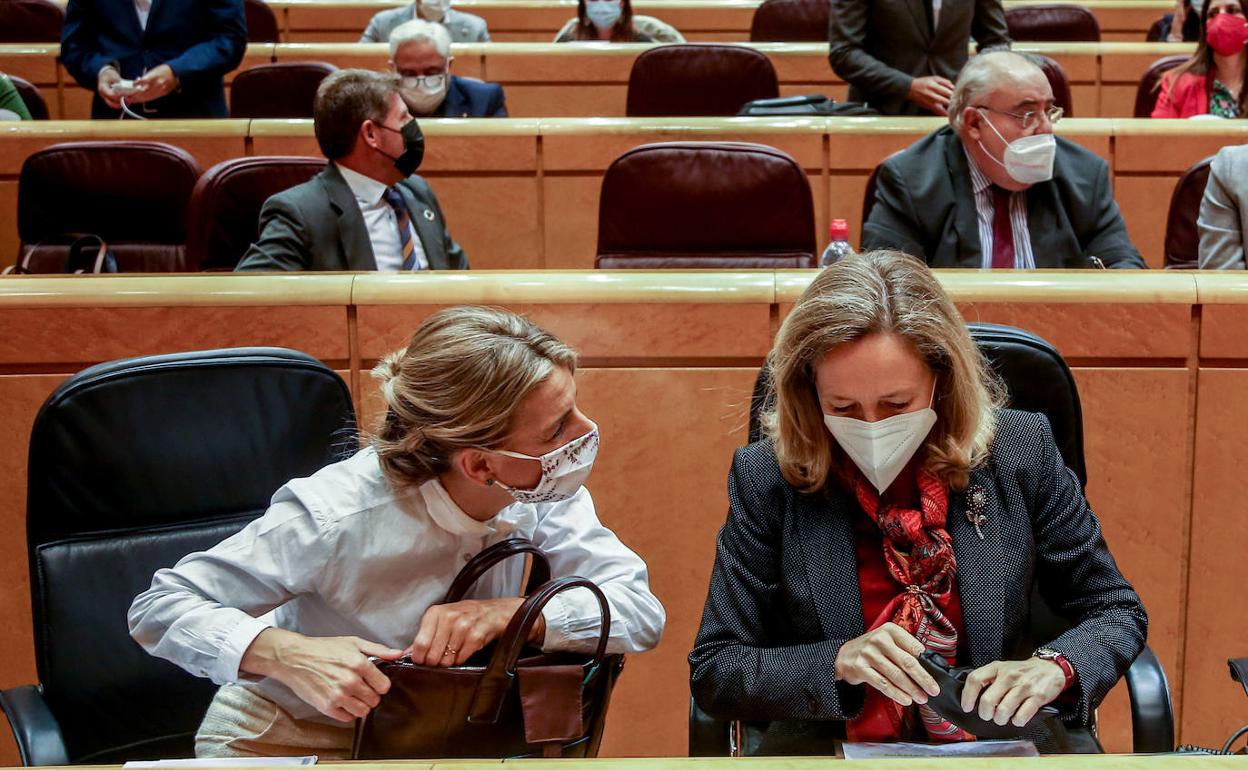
column 897, row 507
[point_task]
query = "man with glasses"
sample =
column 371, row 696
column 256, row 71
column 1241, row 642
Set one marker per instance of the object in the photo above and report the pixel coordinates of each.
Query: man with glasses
column 995, row 189
column 420, row 54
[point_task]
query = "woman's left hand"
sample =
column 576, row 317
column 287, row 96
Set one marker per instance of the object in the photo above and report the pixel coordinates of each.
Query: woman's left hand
column 1016, row 689
column 451, row 633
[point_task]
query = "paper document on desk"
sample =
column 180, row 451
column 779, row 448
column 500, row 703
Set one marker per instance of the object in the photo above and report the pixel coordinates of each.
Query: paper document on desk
column 231, row 762
column 962, row 749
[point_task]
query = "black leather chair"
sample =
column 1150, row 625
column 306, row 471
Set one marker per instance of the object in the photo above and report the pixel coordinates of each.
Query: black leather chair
column 688, row 79
column 1053, row 23
column 133, row 464
column 262, row 24
column 1182, row 246
column 1038, row 380
column 1148, row 91
column 34, row 101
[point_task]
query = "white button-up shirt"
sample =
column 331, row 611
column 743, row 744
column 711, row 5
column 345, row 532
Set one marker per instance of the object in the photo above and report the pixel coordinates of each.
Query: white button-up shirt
column 340, row 553
column 981, row 184
column 382, row 224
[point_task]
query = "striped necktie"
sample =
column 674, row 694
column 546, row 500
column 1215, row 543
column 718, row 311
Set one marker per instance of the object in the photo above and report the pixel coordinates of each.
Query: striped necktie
column 1002, row 230
column 395, row 199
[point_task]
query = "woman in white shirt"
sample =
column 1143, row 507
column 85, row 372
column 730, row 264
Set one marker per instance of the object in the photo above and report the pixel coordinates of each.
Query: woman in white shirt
column 481, row 440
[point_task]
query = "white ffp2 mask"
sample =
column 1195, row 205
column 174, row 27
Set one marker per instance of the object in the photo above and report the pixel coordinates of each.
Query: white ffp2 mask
column 881, row 449
column 564, row 470
column 1028, row 159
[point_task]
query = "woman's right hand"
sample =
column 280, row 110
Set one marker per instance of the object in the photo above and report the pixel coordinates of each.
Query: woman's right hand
column 334, row 673
column 1177, row 21
column 887, row 659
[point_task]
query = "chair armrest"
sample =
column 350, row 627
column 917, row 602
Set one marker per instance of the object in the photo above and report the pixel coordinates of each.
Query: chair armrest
column 38, row 735
column 708, row 737
column 1152, row 716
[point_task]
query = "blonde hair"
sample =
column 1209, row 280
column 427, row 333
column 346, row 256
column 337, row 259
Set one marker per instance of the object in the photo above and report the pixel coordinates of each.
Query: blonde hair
column 884, row 292
column 458, row 385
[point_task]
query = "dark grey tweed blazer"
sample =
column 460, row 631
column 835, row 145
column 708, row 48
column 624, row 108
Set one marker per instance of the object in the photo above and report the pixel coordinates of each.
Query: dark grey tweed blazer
column 784, row 591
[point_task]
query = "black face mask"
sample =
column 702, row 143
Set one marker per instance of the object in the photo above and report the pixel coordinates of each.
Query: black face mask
column 413, row 147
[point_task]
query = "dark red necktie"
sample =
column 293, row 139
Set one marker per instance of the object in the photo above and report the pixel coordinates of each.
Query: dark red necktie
column 1002, row 230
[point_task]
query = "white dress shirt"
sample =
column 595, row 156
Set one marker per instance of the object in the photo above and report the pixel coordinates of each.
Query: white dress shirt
column 144, row 9
column 341, row 554
column 382, row 224
column 981, row 184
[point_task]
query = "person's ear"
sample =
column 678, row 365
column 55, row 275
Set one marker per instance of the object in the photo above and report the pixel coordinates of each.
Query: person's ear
column 475, row 465
column 449, row 59
column 972, row 123
column 368, row 134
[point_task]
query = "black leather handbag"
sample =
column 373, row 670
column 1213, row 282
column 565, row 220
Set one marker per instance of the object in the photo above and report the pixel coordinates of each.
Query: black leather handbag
column 507, row 700
column 88, row 254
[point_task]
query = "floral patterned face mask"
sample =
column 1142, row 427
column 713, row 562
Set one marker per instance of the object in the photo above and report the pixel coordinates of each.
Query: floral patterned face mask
column 564, row 470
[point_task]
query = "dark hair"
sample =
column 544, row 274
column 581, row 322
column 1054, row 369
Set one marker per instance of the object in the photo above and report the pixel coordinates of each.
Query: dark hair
column 344, row 101
column 622, row 32
column 1201, row 62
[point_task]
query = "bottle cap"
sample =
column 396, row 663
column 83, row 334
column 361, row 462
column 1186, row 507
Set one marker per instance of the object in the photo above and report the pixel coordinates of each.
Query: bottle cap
column 839, row 230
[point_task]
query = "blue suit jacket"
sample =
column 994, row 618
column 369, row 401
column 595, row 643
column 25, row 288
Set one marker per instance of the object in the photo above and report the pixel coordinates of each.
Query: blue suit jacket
column 200, row 40
column 472, row 98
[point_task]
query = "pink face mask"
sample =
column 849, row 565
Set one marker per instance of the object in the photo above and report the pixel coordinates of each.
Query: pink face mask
column 1227, row 34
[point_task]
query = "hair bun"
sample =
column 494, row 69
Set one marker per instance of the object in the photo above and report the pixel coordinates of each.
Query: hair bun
column 388, row 370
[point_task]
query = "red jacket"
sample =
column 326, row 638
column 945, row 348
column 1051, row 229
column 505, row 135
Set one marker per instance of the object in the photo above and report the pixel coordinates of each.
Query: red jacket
column 1184, row 96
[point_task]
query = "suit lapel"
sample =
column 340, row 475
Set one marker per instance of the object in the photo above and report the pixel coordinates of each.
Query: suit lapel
column 826, row 526
column 455, row 105
column 428, row 228
column 981, row 584
column 920, row 9
column 353, row 239
column 966, row 221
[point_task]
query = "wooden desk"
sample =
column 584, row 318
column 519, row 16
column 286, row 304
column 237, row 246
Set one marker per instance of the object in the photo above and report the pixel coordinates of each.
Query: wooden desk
column 668, row 360
column 536, row 21
column 523, row 193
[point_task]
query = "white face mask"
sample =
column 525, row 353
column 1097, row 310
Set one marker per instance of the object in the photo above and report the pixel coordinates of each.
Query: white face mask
column 603, row 13
column 564, row 470
column 881, row 449
column 423, row 95
column 433, row 10
column 1028, row 160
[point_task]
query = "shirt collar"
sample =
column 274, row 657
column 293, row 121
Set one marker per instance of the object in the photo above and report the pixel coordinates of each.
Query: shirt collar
column 449, row 516
column 979, row 180
column 367, row 191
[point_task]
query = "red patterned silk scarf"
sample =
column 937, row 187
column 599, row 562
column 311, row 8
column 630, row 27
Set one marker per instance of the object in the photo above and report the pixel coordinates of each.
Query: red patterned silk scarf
column 918, row 554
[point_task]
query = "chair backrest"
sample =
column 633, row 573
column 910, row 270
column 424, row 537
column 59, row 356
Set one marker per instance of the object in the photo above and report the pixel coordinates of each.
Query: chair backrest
column 1057, row 81
column 1034, row 373
column 1182, row 236
column 261, row 22
column 281, row 90
column 224, row 216
column 791, row 21
column 705, row 204
column 35, row 104
column 1147, row 92
column 1154, row 31
column 1055, row 23
column 134, row 464
column 698, row 79
column 132, row 194
column 30, row 21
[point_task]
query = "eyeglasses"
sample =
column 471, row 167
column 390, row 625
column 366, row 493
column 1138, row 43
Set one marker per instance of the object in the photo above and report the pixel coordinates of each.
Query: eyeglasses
column 1031, row 118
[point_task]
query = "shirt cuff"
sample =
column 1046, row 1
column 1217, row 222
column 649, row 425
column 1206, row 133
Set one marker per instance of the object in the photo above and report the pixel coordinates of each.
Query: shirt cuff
column 234, row 646
column 572, row 621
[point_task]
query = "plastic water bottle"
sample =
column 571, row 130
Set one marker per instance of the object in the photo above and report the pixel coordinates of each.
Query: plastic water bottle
column 838, row 245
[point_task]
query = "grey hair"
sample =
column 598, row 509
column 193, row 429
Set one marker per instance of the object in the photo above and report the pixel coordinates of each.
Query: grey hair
column 421, row 31
column 980, row 77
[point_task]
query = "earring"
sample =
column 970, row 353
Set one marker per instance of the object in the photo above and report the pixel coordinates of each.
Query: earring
column 489, row 482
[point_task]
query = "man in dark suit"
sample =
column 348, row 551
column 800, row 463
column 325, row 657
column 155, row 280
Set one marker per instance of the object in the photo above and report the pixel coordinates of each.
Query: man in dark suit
column 420, row 54
column 901, row 56
column 996, row 189
column 176, row 52
column 367, row 210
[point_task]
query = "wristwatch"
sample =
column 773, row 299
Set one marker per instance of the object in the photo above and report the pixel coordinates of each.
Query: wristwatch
column 1044, row 653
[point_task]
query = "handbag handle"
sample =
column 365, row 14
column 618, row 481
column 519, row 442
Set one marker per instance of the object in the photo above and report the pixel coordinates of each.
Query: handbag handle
column 539, row 571
column 487, row 701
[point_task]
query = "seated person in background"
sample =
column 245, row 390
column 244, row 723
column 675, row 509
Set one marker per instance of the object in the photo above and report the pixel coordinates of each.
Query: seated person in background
column 350, row 562
column 1223, row 219
column 176, row 52
column 851, row 544
column 464, row 27
column 1212, row 81
column 1183, row 25
column 11, row 105
column 367, row 210
column 996, row 189
column 613, row 21
column 420, row 54
column 901, row 63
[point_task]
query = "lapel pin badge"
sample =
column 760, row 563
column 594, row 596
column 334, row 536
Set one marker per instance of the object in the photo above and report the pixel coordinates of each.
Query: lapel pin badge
column 977, row 500
column 429, row 214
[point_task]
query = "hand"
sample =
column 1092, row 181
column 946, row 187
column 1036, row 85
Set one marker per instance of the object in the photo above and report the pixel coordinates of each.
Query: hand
column 105, row 83
column 1177, row 21
column 887, row 659
column 1017, row 689
column 932, row 93
column 451, row 633
column 158, row 82
column 333, row 674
